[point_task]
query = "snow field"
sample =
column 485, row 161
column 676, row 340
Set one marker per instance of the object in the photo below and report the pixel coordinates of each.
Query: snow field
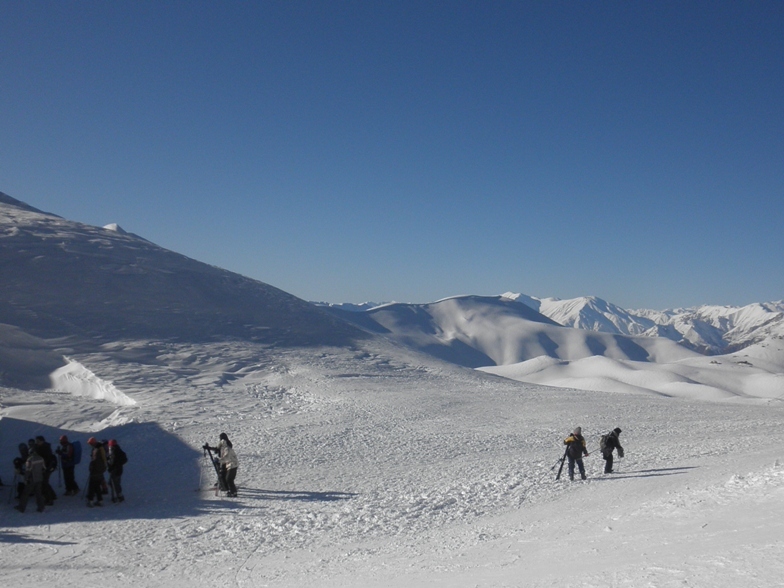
column 376, row 467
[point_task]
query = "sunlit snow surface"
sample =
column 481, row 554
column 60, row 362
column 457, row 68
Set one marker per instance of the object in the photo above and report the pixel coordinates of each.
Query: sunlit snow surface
column 375, row 466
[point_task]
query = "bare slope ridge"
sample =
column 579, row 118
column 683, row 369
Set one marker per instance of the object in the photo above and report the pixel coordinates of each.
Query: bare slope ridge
column 63, row 278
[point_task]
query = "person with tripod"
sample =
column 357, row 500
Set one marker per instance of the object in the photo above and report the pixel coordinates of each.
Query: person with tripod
column 228, row 463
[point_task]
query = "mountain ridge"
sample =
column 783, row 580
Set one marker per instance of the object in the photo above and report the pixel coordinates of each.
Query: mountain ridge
column 64, row 278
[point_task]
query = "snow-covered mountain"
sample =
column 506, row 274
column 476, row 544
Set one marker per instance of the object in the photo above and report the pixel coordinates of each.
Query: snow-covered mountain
column 707, row 329
column 502, row 336
column 63, row 278
column 365, row 462
column 477, row 331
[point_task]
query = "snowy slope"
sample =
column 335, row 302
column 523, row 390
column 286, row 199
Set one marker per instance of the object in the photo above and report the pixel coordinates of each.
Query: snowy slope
column 66, row 278
column 363, row 462
column 376, row 467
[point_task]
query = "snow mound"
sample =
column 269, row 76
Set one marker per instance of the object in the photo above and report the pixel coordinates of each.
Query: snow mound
column 697, row 378
column 116, row 228
column 79, row 381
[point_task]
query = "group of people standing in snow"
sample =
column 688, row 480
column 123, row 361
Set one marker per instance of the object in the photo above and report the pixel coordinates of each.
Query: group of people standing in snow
column 37, row 462
column 576, row 448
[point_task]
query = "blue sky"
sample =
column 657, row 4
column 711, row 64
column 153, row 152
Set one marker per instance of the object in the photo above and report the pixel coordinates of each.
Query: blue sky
column 352, row 151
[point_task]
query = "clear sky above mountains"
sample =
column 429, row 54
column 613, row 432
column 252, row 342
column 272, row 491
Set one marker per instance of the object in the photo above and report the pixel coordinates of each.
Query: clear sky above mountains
column 349, row 151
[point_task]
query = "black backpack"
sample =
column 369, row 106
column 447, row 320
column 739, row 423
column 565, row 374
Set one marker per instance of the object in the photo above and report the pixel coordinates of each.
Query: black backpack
column 121, row 458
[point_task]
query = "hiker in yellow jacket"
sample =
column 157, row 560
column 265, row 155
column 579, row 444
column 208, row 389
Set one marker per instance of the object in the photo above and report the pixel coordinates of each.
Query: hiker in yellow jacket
column 575, row 450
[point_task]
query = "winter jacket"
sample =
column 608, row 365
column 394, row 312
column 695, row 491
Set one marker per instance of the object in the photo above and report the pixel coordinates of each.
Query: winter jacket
column 612, row 442
column 115, row 460
column 45, row 451
column 227, row 456
column 35, row 468
column 575, row 446
column 98, row 462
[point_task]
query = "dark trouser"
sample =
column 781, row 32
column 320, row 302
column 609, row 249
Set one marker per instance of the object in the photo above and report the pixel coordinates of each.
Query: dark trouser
column 32, row 488
column 608, row 462
column 94, row 488
column 580, row 466
column 70, row 482
column 115, row 481
column 49, row 493
column 230, row 475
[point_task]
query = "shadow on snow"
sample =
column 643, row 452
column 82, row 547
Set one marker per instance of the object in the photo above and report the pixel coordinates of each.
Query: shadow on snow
column 294, row 495
column 648, row 473
column 158, row 479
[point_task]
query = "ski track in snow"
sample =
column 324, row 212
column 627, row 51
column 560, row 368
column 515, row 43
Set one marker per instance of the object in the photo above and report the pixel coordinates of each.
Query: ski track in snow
column 377, row 467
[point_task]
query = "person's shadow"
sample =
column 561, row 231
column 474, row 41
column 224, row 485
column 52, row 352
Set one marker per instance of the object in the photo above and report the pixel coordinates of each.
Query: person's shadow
column 647, row 473
column 294, row 495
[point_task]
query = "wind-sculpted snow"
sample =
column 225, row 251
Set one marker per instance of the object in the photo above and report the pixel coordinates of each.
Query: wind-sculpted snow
column 76, row 379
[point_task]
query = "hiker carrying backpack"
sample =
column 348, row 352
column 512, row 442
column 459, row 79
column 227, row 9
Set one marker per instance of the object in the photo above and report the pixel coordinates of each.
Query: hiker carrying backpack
column 607, row 444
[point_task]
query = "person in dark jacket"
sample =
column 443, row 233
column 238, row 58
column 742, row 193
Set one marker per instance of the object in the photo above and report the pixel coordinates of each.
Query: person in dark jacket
column 115, row 460
column 575, row 449
column 44, row 449
column 611, row 442
column 66, row 453
column 97, row 470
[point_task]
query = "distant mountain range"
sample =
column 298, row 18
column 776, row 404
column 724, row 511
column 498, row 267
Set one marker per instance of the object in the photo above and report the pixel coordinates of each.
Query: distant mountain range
column 707, row 329
column 479, row 331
